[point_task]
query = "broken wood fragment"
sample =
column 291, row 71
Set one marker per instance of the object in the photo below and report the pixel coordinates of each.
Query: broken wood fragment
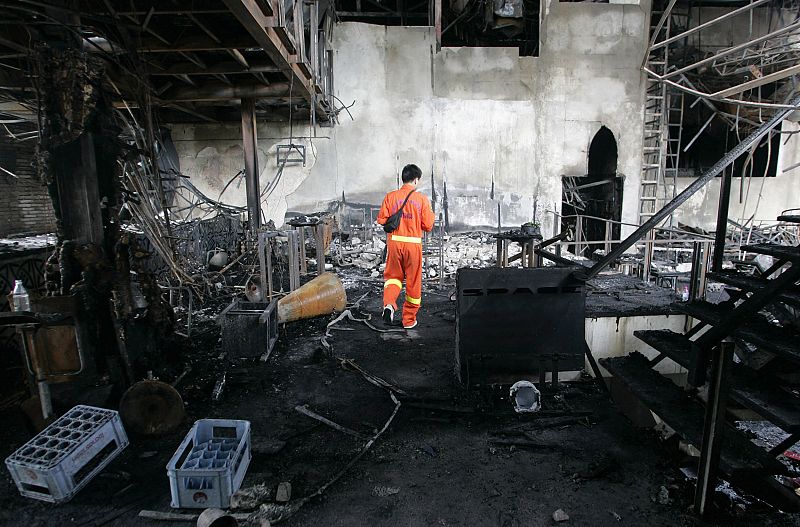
column 309, row 413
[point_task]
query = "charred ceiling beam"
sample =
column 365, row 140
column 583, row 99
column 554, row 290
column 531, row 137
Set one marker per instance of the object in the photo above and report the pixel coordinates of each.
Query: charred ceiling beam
column 183, row 44
column 224, row 92
column 220, row 68
column 261, row 27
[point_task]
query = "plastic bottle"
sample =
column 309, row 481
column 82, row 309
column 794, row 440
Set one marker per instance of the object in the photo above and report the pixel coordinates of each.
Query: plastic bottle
column 685, row 295
column 20, row 298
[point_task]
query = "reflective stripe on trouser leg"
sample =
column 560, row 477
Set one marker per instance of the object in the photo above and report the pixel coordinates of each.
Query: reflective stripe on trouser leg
column 393, row 281
column 415, row 301
column 393, row 276
column 412, row 265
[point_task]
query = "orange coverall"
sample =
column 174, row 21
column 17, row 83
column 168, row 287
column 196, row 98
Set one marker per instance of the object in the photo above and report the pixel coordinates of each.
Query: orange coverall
column 404, row 249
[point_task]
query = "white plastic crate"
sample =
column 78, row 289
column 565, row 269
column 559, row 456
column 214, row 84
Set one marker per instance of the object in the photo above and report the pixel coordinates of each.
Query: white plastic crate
column 66, row 455
column 210, row 464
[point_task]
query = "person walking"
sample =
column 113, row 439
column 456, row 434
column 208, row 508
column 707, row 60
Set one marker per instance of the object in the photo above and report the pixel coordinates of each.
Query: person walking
column 404, row 214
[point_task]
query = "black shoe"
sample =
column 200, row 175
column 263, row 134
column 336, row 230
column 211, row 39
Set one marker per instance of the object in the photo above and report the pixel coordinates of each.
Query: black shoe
column 388, row 315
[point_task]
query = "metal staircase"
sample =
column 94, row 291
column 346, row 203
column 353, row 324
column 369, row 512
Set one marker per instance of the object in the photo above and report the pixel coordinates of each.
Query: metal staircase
column 663, row 118
column 706, row 351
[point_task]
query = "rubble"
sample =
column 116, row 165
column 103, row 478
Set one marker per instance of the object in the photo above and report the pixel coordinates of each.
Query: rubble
column 381, row 492
column 560, row 516
column 284, row 492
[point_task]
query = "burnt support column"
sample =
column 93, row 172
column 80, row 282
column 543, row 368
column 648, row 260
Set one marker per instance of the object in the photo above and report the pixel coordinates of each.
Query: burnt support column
column 713, row 427
column 437, row 22
column 79, row 197
column 722, row 220
column 249, row 144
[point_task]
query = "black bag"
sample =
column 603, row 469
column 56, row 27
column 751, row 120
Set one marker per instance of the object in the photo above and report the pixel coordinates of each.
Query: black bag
column 393, row 222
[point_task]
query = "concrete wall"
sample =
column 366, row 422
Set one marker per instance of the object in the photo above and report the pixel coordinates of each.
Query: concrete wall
column 25, row 206
column 495, row 128
column 613, row 337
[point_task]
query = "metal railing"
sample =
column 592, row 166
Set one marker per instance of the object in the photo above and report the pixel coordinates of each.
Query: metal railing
column 698, row 245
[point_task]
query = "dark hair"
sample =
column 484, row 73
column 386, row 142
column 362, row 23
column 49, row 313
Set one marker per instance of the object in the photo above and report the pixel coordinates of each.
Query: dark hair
column 410, row 173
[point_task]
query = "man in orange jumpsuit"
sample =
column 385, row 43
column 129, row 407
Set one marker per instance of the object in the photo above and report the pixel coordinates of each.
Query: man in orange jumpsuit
column 404, row 247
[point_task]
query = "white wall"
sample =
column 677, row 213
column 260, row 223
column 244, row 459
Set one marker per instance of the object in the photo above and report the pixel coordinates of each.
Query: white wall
column 613, row 337
column 477, row 117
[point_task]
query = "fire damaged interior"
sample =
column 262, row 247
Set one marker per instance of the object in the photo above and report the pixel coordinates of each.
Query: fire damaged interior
column 400, row 262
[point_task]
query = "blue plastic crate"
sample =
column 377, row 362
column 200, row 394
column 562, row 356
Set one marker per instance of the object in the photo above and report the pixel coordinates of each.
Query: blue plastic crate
column 66, row 455
column 210, row 464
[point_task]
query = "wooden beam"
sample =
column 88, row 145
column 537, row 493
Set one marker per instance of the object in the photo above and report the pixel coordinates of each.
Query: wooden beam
column 197, row 43
column 313, row 6
column 258, row 25
column 224, row 92
column 238, row 57
column 250, row 147
column 191, row 111
column 220, row 68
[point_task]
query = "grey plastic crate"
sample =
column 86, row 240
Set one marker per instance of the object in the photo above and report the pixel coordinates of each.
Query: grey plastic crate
column 210, row 464
column 66, row 455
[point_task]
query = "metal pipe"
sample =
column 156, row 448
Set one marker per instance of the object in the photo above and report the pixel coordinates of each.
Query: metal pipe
column 713, row 427
column 734, row 49
column 722, row 220
column 700, row 131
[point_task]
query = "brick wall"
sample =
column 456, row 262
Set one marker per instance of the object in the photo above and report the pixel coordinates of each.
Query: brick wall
column 25, row 206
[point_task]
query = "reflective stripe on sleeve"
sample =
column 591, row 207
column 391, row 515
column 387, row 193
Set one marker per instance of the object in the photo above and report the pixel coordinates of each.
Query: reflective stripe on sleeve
column 393, row 281
column 407, row 239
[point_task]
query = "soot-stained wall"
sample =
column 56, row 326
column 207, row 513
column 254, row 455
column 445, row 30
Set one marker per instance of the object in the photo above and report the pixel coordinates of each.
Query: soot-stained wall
column 25, row 206
column 495, row 128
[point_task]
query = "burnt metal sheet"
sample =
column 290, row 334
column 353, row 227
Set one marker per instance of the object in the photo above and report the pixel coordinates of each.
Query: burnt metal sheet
column 518, row 321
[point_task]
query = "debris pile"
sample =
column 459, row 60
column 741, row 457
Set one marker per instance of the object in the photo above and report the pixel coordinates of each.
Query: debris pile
column 473, row 249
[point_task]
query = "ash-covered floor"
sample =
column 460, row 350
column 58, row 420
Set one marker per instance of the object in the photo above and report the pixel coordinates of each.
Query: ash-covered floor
column 449, row 457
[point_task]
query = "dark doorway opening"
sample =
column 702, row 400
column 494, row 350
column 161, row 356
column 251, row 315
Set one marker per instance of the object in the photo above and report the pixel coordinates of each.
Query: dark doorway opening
column 594, row 197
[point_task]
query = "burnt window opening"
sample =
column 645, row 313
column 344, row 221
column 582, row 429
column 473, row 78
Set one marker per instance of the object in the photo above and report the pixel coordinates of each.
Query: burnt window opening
column 465, row 23
column 492, row 23
column 597, row 194
column 385, row 12
column 700, row 152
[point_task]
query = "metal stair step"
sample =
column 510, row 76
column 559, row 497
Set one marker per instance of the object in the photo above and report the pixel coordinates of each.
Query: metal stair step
column 784, row 252
column 674, row 345
column 753, row 283
column 755, row 391
column 765, row 396
column 757, row 330
column 684, row 414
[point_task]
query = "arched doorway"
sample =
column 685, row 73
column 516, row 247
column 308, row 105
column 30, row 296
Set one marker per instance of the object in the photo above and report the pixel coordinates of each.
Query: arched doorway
column 597, row 194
